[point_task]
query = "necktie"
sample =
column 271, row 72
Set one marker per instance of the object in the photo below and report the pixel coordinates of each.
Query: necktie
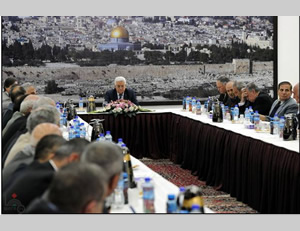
column 120, row 96
column 275, row 109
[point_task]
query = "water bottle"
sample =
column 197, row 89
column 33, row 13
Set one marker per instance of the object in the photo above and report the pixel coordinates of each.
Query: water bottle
column 126, row 186
column 119, row 199
column 58, row 107
column 236, row 114
column 101, row 137
column 80, row 104
column 251, row 114
column 180, row 198
column 171, row 204
column 205, row 109
column 223, row 111
column 247, row 118
column 195, row 208
column 82, row 130
column 148, row 196
column 108, row 136
column 276, row 124
column 61, row 120
column 198, row 108
column 256, row 120
column 71, row 132
column 120, row 142
column 281, row 126
column 193, row 105
column 184, row 104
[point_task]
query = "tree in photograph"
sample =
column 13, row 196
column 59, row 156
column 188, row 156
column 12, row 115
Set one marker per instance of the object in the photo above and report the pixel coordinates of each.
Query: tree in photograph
column 51, row 87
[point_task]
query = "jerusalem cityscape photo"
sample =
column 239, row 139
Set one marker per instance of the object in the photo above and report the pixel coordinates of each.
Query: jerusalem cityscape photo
column 163, row 58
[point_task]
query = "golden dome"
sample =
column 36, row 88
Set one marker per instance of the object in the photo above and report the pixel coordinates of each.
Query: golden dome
column 119, row 32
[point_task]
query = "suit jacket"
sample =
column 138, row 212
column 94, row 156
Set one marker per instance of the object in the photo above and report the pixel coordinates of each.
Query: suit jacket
column 18, row 146
column 14, row 117
column 24, row 157
column 286, row 107
column 6, row 100
column 262, row 104
column 42, row 206
column 18, row 125
column 129, row 94
column 33, row 182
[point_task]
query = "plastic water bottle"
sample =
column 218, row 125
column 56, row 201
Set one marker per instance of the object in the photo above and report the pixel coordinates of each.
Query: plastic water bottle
column 82, row 130
column 198, row 108
column 101, row 137
column 184, row 104
column 80, row 104
column 148, row 196
column 256, row 120
column 281, row 126
column 223, row 110
column 180, row 198
column 187, row 102
column 120, row 142
column 71, row 132
column 58, row 107
column 195, row 209
column 193, row 105
column 236, row 114
column 251, row 114
column 108, row 136
column 171, row 204
column 119, row 199
column 276, row 124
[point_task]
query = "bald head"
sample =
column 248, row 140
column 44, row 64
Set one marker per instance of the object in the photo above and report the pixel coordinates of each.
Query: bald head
column 29, row 88
column 230, row 90
column 296, row 92
column 42, row 130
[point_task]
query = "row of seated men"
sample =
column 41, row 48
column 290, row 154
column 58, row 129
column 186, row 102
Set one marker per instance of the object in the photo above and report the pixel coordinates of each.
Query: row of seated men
column 237, row 93
column 44, row 173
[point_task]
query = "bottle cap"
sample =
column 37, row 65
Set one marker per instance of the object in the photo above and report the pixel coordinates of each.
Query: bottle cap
column 195, row 206
column 182, row 189
column 123, row 145
column 171, row 196
column 107, row 132
column 147, row 179
column 101, row 134
column 125, row 175
column 120, row 140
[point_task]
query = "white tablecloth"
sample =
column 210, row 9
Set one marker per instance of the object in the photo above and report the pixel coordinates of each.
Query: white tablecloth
column 162, row 188
column 292, row 145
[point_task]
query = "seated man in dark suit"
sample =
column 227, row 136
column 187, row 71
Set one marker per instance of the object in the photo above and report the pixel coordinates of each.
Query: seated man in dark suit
column 120, row 92
column 35, row 179
column 221, row 85
column 260, row 101
column 232, row 100
column 76, row 188
column 285, row 104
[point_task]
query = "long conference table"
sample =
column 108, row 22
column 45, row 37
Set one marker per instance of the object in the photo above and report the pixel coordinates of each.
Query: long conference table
column 258, row 169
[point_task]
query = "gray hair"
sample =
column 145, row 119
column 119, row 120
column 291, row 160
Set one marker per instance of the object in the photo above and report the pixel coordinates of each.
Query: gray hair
column 239, row 85
column 27, row 104
column 120, row 79
column 77, row 184
column 252, row 86
column 223, row 80
column 76, row 145
column 45, row 114
column 106, row 154
column 43, row 100
column 27, row 85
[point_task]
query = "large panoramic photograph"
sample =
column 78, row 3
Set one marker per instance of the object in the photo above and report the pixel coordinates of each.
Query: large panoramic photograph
column 163, row 58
